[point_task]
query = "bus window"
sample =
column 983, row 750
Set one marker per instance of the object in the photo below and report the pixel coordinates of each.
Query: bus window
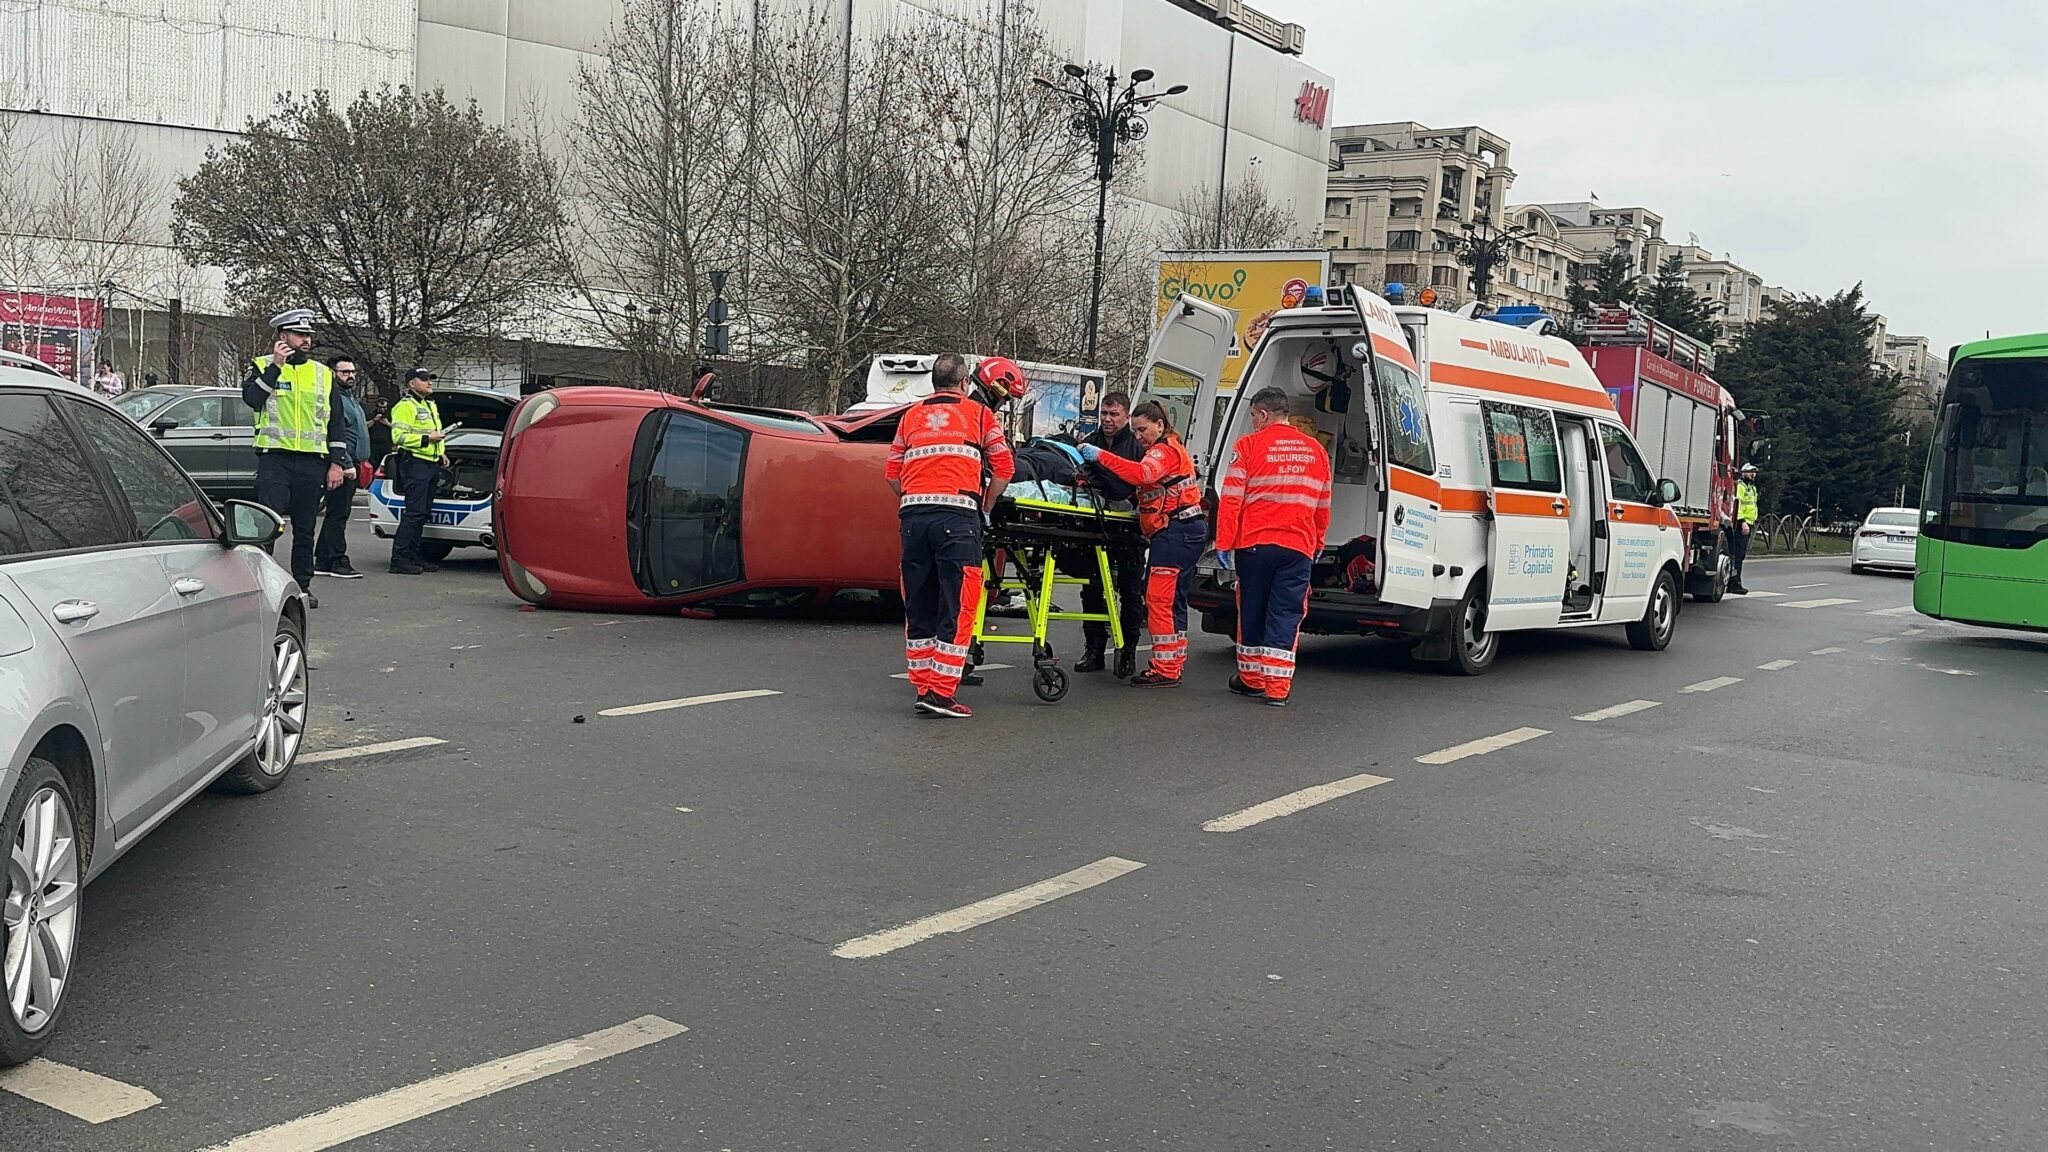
column 1988, row 484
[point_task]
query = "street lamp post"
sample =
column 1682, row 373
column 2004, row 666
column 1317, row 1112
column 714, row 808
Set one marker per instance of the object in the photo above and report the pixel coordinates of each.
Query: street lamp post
column 1108, row 120
column 1483, row 246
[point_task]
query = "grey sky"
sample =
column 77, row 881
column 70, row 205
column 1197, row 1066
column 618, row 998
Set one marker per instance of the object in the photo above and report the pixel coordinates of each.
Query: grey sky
column 1818, row 142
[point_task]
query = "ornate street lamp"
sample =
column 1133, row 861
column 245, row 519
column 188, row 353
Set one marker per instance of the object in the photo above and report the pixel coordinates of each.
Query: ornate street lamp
column 1109, row 120
column 1483, row 246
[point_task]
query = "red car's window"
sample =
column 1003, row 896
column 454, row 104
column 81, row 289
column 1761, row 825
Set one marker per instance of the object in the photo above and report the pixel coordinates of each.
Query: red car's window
column 683, row 504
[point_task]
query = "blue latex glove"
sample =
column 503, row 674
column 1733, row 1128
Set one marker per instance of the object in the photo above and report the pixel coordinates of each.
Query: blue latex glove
column 1223, row 558
column 1091, row 453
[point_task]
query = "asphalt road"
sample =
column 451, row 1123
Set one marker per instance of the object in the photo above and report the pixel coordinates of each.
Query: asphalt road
column 1795, row 898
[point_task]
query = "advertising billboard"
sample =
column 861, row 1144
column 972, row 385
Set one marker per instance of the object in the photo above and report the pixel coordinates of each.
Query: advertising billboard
column 61, row 331
column 1255, row 284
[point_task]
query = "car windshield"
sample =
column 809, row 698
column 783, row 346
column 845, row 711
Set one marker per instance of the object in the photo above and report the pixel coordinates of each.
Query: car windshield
column 138, row 405
column 1893, row 520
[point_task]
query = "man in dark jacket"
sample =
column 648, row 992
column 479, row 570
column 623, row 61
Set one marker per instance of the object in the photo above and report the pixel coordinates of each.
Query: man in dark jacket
column 330, row 552
column 1127, row 565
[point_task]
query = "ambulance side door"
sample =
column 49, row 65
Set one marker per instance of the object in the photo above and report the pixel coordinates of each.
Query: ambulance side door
column 1410, row 495
column 1530, row 543
column 1184, row 371
column 1636, row 528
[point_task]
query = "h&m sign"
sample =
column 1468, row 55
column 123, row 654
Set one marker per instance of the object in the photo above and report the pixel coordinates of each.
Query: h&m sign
column 1313, row 105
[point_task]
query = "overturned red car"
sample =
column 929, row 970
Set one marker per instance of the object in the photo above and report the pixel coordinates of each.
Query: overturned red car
column 619, row 500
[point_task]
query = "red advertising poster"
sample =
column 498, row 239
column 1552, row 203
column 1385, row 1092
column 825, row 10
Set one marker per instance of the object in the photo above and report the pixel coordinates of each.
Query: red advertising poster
column 61, row 331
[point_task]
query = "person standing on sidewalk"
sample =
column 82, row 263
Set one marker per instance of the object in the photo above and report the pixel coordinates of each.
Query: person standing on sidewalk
column 416, row 448
column 330, row 552
column 301, row 438
column 1126, row 565
column 1745, row 523
column 1272, row 515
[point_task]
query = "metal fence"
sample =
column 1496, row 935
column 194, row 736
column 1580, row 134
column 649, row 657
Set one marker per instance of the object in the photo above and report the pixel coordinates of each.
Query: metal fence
column 1798, row 533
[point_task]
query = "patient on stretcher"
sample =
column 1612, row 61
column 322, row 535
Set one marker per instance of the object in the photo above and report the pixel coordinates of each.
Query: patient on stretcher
column 1047, row 468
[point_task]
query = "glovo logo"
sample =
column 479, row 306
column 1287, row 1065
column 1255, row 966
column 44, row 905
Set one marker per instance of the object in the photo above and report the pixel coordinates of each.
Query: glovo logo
column 1216, row 292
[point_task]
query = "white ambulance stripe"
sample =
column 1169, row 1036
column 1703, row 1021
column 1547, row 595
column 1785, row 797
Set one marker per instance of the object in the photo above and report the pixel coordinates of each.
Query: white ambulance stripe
column 1483, row 747
column 1293, row 802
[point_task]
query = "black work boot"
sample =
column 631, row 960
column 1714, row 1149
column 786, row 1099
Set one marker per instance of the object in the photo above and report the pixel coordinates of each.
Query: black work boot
column 1127, row 661
column 1092, row 661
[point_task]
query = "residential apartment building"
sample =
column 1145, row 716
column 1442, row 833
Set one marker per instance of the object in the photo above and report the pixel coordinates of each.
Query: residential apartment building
column 1721, row 282
column 1541, row 265
column 1594, row 229
column 1400, row 195
column 1922, row 372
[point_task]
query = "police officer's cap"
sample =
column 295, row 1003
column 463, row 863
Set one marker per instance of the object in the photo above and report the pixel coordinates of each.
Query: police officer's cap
column 294, row 320
column 1749, row 469
column 419, row 374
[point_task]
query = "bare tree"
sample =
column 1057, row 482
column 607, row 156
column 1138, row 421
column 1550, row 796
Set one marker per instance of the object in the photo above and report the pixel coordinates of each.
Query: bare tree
column 411, row 226
column 655, row 188
column 83, row 202
column 1243, row 217
column 846, row 190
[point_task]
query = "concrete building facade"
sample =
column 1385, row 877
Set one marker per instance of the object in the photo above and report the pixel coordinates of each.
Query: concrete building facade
column 1400, row 194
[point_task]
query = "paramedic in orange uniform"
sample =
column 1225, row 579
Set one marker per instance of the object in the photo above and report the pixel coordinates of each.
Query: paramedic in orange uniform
column 948, row 462
column 1170, row 515
column 1272, row 514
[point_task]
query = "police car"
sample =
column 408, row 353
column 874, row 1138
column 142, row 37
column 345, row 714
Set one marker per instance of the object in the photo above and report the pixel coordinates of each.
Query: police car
column 462, row 499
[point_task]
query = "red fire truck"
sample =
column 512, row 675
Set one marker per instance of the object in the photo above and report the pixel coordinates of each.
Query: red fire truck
column 1662, row 383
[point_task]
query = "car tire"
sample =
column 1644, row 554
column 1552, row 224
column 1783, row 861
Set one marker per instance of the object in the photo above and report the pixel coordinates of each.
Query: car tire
column 1473, row 648
column 43, row 786
column 1856, row 569
column 1717, row 588
column 281, row 727
column 435, row 550
column 1660, row 616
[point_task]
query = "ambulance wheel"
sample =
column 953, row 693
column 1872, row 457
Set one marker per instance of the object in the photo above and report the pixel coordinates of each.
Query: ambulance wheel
column 435, row 550
column 1473, row 647
column 1050, row 685
column 1653, row 632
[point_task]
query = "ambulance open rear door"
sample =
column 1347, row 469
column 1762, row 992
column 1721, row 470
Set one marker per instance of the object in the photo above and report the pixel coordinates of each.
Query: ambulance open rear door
column 1184, row 371
column 1410, row 496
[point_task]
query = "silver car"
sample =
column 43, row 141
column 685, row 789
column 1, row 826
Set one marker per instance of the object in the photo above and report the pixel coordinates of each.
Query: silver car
column 149, row 647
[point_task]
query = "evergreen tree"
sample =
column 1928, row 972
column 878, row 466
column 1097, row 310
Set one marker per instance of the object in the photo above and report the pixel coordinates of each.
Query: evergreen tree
column 1835, row 443
column 1672, row 300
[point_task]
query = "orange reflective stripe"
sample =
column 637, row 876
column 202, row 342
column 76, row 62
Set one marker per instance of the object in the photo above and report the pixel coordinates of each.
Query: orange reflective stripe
column 1463, row 500
column 1530, row 504
column 1395, row 351
column 1481, row 380
column 1415, row 484
column 1634, row 513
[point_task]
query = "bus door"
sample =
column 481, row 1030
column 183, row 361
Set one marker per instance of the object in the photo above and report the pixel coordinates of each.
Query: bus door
column 1184, row 371
column 1529, row 546
column 1410, row 495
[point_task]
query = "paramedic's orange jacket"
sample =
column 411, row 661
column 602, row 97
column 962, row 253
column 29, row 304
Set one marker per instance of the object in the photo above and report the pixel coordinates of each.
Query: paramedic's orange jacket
column 1164, row 478
column 941, row 445
column 1276, row 491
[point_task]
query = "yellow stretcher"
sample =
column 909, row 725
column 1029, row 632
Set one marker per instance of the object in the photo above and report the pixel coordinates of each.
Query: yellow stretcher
column 1022, row 538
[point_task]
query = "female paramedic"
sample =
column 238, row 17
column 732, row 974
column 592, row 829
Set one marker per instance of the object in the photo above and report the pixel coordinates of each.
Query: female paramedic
column 1170, row 515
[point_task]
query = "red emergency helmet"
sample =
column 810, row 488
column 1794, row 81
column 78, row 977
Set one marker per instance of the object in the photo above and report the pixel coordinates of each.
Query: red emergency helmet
column 1003, row 379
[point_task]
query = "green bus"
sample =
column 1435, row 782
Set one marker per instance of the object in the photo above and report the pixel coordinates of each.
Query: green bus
column 1983, row 551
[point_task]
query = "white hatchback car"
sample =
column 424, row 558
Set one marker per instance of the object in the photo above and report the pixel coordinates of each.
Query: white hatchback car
column 1888, row 539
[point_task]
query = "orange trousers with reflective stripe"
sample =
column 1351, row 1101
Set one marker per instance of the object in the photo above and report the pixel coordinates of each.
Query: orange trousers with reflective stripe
column 1170, row 573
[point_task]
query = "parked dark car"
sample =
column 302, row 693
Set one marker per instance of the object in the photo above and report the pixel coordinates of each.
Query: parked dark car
column 208, row 431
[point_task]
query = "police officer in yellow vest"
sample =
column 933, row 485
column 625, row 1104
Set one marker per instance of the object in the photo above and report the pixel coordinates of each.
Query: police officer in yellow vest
column 301, row 434
column 418, row 451
column 1745, row 521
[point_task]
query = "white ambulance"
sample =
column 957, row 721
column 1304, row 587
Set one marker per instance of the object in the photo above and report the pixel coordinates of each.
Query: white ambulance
column 1479, row 472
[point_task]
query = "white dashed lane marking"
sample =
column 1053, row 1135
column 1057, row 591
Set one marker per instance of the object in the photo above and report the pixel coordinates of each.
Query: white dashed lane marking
column 1614, row 710
column 1766, row 595
column 401, row 1105
column 89, row 1096
column 1776, row 665
column 1293, row 802
column 1823, row 602
column 984, row 911
column 1826, row 651
column 1901, row 610
column 1797, row 587
column 355, row 750
column 1482, row 746
column 1711, row 685
column 687, row 702
column 1880, row 639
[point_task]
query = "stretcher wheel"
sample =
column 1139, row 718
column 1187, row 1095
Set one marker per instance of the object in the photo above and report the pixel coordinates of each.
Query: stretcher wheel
column 1050, row 684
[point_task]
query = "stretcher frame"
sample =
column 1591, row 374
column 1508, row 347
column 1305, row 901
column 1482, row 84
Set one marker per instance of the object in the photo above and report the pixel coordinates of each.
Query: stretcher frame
column 1023, row 535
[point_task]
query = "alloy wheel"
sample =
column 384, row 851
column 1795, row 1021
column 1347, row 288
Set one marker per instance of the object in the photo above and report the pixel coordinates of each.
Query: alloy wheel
column 1472, row 632
column 1665, row 608
column 283, row 725
column 40, row 913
